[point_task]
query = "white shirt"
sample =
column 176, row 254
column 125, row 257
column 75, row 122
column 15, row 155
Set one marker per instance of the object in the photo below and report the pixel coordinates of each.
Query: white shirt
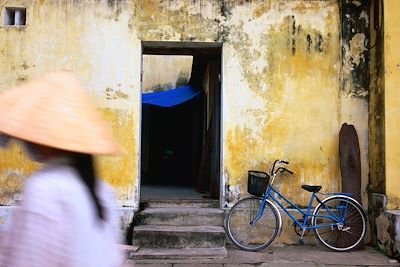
column 57, row 224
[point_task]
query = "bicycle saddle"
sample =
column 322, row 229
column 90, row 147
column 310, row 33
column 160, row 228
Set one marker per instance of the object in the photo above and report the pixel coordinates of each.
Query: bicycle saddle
column 311, row 188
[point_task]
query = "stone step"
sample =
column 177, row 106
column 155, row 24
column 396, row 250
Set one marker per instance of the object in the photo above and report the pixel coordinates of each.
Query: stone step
column 183, row 216
column 162, row 236
column 180, row 203
column 144, row 254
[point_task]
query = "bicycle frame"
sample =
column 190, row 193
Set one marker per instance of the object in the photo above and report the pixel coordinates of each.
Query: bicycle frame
column 270, row 194
column 342, row 230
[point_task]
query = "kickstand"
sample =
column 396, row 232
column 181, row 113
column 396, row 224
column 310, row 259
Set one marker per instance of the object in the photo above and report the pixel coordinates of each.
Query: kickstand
column 301, row 241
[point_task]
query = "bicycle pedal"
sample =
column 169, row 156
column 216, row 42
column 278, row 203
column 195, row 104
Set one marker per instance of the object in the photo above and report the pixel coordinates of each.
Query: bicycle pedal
column 301, row 241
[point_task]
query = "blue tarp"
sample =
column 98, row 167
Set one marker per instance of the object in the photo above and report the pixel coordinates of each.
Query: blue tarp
column 171, row 97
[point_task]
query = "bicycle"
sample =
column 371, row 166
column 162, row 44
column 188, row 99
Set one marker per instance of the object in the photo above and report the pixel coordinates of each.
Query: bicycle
column 338, row 221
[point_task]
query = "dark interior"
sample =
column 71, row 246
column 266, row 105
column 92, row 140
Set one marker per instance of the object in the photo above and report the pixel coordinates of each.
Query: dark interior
column 174, row 143
column 180, row 144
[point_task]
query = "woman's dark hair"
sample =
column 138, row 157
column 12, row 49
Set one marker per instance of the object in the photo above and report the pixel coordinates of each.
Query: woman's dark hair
column 84, row 164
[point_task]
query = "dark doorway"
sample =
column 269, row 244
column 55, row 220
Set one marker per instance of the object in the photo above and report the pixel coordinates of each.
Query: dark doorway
column 180, row 144
column 173, row 142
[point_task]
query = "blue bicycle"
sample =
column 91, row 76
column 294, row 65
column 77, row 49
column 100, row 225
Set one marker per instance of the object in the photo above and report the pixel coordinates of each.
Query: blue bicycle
column 253, row 223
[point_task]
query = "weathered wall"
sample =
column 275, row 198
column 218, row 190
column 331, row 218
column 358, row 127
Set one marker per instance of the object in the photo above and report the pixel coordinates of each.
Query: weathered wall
column 14, row 167
column 355, row 78
column 385, row 226
column 91, row 38
column 392, row 102
column 162, row 72
column 376, row 102
column 384, row 117
column 286, row 65
column 282, row 89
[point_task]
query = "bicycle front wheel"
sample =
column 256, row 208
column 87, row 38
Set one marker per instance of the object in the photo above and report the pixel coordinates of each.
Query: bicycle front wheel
column 341, row 223
column 247, row 236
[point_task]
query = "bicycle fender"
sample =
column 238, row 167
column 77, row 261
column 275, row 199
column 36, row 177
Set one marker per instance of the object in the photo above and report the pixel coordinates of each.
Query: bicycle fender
column 340, row 195
column 358, row 203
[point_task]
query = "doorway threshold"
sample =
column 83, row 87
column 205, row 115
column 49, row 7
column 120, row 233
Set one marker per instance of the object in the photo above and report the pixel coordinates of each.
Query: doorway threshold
column 169, row 192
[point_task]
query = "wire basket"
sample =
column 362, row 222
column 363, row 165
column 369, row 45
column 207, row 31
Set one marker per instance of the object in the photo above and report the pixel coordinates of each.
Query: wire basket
column 257, row 183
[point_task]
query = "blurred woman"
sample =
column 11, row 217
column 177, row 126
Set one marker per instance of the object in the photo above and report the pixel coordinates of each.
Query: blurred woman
column 67, row 216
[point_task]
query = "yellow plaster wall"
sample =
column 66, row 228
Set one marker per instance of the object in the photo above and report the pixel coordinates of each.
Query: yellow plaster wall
column 12, row 176
column 286, row 73
column 281, row 89
column 376, row 105
column 184, row 20
column 282, row 96
column 392, row 102
column 120, row 171
column 91, row 38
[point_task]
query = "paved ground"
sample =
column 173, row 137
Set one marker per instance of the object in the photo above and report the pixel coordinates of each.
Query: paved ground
column 281, row 256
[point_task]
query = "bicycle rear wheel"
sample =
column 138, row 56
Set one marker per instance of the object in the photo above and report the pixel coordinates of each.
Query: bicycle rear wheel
column 340, row 236
column 247, row 236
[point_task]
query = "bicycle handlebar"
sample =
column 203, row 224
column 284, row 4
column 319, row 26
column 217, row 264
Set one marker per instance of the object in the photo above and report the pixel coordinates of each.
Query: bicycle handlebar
column 282, row 169
column 279, row 162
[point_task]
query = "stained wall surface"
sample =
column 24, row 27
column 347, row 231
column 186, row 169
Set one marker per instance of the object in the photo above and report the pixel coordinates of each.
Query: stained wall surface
column 164, row 72
column 92, row 39
column 392, row 103
column 283, row 73
column 384, row 196
column 377, row 102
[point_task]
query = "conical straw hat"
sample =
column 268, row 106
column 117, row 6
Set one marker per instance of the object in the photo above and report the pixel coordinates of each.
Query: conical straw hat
column 55, row 111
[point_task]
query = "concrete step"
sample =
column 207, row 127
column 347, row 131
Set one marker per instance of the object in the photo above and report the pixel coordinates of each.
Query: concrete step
column 179, row 254
column 165, row 236
column 183, row 216
column 180, row 203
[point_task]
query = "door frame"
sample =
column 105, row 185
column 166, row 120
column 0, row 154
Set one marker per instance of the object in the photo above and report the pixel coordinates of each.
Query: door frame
column 212, row 49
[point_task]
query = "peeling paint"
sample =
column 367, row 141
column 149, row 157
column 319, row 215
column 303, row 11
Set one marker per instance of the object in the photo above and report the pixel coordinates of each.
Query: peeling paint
column 281, row 64
column 77, row 38
column 115, row 170
column 382, row 224
column 387, row 227
column 115, row 94
column 234, row 194
column 355, row 56
column 287, row 91
column 186, row 21
column 357, row 48
column 11, row 182
column 15, row 167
